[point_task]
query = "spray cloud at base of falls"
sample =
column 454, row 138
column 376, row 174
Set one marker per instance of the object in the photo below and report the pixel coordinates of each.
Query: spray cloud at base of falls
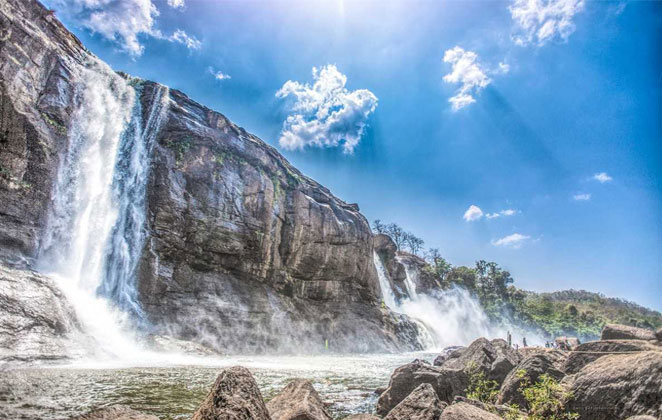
column 95, row 229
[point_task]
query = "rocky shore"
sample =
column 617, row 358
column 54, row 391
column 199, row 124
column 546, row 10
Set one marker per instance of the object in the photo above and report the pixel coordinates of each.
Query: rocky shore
column 615, row 378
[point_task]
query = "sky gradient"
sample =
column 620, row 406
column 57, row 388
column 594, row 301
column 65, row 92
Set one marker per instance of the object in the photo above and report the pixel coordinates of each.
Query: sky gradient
column 543, row 115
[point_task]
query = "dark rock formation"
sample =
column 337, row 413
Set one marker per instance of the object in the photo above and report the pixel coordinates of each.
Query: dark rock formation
column 618, row 386
column 234, row 396
column 452, row 352
column 425, row 281
column 465, row 411
column 550, row 362
column 298, row 401
column 593, row 350
column 625, row 332
column 36, row 321
column 447, row 383
column 421, row 404
column 243, row 251
column 116, row 412
column 495, row 358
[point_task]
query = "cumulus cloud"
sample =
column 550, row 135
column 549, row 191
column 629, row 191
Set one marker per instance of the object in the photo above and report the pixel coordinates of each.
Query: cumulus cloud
column 468, row 73
column 176, row 4
column 602, row 177
column 514, row 241
column 506, row 212
column 473, row 213
column 218, row 75
column 122, row 21
column 326, row 113
column 581, row 197
column 541, row 21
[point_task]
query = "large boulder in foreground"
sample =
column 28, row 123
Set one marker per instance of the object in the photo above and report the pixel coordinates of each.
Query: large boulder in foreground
column 298, row 401
column 531, row 369
column 615, row 387
column 625, row 332
column 593, row 350
column 465, row 411
column 36, row 320
column 234, row 396
column 495, row 358
column 116, row 412
column 446, row 383
column 421, row 404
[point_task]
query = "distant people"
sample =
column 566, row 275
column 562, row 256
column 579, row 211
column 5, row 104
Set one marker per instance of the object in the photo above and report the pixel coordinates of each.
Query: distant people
column 546, row 344
column 510, row 340
column 523, row 341
column 516, row 347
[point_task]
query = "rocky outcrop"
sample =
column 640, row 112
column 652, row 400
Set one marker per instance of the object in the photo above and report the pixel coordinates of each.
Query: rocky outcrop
column 420, row 404
column 495, row 358
column 116, row 412
column 465, row 411
column 618, row 386
column 446, row 383
column 244, row 253
column 625, row 332
column 234, row 396
column 529, row 370
column 593, row 350
column 298, row 401
column 452, row 352
column 424, row 280
column 36, row 320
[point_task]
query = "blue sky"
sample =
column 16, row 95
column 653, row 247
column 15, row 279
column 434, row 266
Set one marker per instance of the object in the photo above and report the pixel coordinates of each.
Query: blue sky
column 545, row 115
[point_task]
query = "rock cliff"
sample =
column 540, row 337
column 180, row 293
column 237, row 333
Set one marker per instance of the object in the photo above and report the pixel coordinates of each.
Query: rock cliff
column 243, row 252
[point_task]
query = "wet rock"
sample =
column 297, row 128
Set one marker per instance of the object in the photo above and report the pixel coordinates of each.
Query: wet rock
column 116, row 412
column 298, row 401
column 465, row 411
column 550, row 362
column 495, row 358
column 593, row 350
column 618, row 386
column 452, row 352
column 36, row 320
column 425, row 281
column 625, row 332
column 446, row 383
column 420, row 404
column 234, row 396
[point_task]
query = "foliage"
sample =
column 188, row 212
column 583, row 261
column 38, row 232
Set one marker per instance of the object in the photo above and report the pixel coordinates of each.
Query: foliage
column 546, row 399
column 402, row 239
column 481, row 388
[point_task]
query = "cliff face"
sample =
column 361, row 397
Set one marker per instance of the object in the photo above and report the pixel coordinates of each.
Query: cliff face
column 242, row 250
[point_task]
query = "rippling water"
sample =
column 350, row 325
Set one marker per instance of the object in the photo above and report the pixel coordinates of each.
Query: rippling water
column 347, row 383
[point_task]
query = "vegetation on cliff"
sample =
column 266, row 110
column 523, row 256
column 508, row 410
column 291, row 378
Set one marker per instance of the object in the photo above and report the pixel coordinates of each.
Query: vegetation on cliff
column 569, row 312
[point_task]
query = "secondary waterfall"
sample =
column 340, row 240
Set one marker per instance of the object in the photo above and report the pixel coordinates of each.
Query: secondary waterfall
column 95, row 229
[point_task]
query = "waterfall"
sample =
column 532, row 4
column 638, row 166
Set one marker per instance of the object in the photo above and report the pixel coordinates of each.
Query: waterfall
column 384, row 283
column 410, row 282
column 95, row 228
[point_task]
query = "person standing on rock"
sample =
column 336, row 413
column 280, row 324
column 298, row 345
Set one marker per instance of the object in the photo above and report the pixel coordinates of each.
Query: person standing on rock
column 510, row 340
column 523, row 341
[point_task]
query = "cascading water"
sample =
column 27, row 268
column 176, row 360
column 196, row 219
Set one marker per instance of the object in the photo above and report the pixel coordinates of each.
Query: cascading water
column 94, row 233
column 384, row 284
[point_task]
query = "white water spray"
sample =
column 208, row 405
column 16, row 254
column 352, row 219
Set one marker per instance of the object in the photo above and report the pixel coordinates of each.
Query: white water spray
column 95, row 227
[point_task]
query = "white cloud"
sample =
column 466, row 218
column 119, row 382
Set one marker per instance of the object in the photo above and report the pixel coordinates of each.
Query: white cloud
column 581, row 197
column 503, row 68
column 515, row 241
column 176, row 4
column 506, row 212
column 468, row 73
column 183, row 38
column 473, row 213
column 326, row 113
column 218, row 75
column 122, row 21
column 602, row 177
column 541, row 21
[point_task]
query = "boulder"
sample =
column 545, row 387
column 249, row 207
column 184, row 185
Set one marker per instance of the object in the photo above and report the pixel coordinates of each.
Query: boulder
column 501, row 410
column 452, row 352
column 446, row 383
column 618, row 386
column 298, row 401
column 115, row 412
column 421, row 404
column 533, row 367
column 361, row 417
column 495, row 358
column 465, row 411
column 593, row 350
column 658, row 335
column 625, row 332
column 642, row 418
column 234, row 396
